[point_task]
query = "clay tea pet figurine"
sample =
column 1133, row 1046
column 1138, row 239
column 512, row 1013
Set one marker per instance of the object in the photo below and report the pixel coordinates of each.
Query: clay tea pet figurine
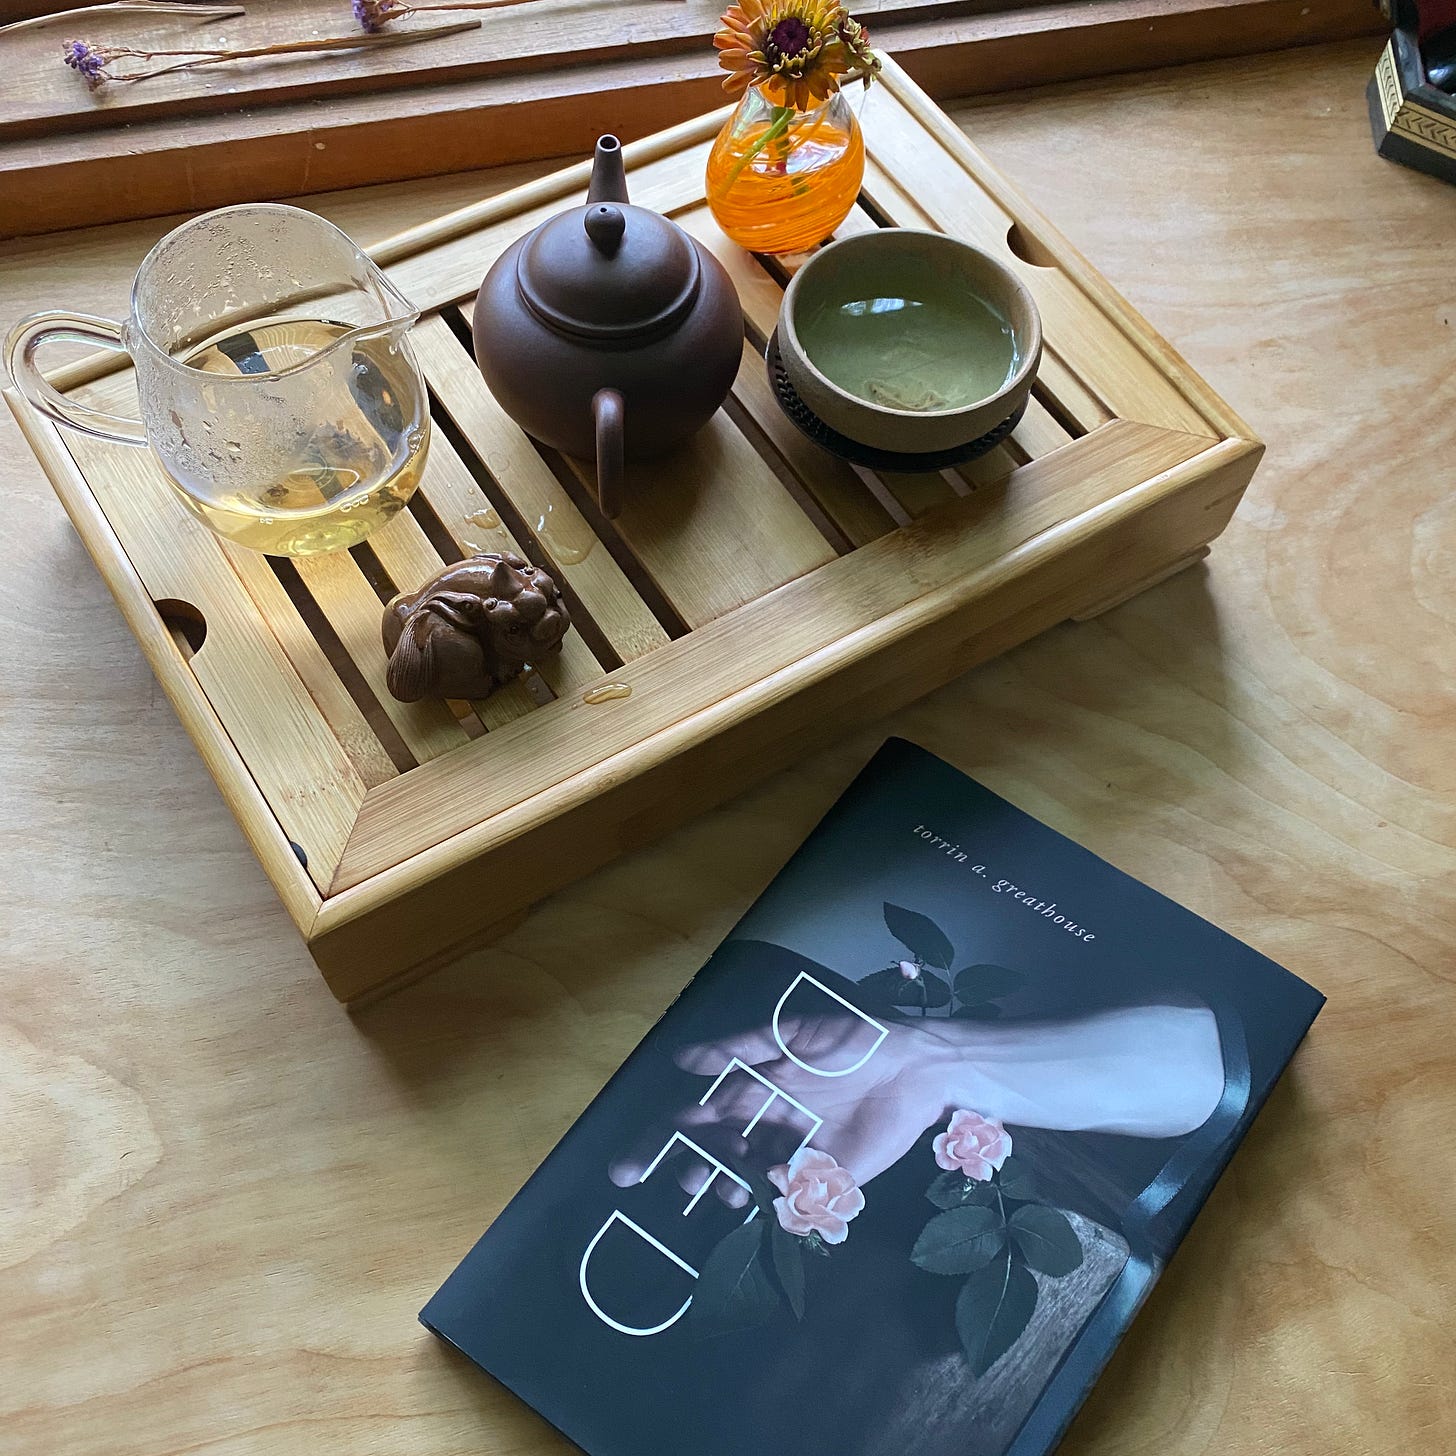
column 471, row 628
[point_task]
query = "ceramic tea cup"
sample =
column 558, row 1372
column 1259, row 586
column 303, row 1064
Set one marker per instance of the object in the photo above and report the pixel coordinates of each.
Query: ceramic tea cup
column 909, row 341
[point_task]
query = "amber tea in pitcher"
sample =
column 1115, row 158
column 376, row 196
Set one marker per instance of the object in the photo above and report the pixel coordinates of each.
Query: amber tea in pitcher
column 357, row 468
column 277, row 388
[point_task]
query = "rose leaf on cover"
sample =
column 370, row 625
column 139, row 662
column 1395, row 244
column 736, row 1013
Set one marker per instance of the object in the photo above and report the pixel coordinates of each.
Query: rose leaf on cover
column 960, row 1240
column 734, row 1291
column 892, row 987
column 948, row 1190
column 975, row 984
column 788, row 1264
column 763, row 1192
column 920, row 935
column 1015, row 1180
column 1045, row 1239
column 955, row 1190
column 782, row 1245
column 994, row 1307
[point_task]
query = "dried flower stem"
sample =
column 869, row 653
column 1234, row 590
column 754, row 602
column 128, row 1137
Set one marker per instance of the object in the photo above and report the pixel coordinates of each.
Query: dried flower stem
column 213, row 57
column 374, row 15
column 150, row 7
column 466, row 5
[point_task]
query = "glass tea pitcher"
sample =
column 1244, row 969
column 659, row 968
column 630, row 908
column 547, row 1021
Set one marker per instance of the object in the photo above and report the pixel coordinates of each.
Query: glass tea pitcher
column 277, row 388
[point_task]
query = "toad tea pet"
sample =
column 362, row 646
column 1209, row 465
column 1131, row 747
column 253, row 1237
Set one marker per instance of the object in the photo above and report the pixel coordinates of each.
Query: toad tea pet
column 472, row 628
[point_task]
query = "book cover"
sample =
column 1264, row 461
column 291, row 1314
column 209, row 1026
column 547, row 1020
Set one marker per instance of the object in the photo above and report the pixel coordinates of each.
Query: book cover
column 896, row 1170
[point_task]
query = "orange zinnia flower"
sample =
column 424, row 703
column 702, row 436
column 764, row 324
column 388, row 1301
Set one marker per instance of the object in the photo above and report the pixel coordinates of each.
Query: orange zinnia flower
column 855, row 38
column 795, row 51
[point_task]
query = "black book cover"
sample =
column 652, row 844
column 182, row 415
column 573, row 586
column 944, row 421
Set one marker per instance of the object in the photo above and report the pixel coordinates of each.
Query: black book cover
column 895, row 1171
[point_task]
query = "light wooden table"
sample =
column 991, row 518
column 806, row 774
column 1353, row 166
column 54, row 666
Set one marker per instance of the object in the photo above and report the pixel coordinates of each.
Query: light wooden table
column 222, row 1200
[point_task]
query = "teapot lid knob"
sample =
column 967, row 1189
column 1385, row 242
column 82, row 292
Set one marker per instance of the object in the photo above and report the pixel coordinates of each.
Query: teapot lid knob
column 608, row 271
column 605, row 225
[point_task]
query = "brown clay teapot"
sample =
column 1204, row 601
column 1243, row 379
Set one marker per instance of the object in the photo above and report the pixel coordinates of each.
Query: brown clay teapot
column 608, row 331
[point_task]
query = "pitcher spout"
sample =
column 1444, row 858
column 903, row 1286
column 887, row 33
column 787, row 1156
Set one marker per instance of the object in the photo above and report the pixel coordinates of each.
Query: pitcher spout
column 397, row 315
column 397, row 325
column 392, row 328
column 609, row 176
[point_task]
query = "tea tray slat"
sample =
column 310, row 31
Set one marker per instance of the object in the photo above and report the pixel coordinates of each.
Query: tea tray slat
column 833, row 485
column 292, row 752
column 354, row 610
column 552, row 527
column 847, row 514
column 316, row 668
column 1039, row 433
column 708, row 551
column 755, row 596
column 462, row 513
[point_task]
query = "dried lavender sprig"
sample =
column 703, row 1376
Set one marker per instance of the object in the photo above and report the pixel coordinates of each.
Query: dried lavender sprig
column 89, row 61
column 156, row 7
column 92, row 61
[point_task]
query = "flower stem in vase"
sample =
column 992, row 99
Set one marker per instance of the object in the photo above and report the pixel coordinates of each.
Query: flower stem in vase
column 780, row 179
column 782, row 116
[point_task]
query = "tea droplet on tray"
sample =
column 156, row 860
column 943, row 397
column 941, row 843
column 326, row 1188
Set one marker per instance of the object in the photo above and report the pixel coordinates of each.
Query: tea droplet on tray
column 607, row 692
column 569, row 547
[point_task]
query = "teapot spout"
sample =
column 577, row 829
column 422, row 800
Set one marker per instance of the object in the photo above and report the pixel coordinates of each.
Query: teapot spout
column 609, row 176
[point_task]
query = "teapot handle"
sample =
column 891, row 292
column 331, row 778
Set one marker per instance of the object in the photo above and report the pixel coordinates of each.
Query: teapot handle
column 610, row 417
column 67, row 328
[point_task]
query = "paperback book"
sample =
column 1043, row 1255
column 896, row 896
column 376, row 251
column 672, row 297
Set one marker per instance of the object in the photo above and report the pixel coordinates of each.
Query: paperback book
column 895, row 1171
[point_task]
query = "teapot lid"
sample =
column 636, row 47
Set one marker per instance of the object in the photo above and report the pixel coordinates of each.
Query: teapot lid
column 608, row 270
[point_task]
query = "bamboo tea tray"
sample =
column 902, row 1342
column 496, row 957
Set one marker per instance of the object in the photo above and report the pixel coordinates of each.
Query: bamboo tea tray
column 756, row 595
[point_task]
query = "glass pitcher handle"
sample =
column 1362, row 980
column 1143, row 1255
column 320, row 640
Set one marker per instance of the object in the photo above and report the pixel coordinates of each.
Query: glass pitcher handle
column 67, row 328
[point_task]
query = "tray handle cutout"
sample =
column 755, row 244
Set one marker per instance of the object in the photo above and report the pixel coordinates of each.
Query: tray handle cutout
column 186, row 624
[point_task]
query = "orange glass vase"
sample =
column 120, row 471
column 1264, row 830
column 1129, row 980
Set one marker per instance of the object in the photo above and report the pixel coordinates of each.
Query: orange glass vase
column 780, row 180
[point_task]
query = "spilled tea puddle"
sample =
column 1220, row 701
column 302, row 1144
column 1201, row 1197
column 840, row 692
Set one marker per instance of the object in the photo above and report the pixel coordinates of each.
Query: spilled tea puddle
column 607, row 692
column 567, row 546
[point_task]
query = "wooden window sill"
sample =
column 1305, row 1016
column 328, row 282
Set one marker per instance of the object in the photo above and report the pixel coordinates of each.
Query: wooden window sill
column 541, row 81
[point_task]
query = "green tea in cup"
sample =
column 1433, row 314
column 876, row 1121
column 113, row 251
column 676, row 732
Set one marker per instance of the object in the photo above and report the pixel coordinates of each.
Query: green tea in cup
column 933, row 347
column 909, row 342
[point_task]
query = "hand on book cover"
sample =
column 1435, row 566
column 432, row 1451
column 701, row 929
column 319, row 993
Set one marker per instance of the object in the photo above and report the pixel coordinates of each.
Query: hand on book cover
column 897, row 1168
column 1147, row 1071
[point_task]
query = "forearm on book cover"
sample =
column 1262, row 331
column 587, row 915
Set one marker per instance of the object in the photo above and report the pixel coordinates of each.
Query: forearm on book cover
column 1149, row 1071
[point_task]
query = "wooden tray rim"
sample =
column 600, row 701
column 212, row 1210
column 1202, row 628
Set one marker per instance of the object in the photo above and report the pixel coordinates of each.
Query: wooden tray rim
column 854, row 643
column 356, row 892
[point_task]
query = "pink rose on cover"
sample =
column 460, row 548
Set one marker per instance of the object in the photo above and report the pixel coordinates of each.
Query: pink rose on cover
column 973, row 1145
column 819, row 1197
